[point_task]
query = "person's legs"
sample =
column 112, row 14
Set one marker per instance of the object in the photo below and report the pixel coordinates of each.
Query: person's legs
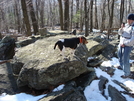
column 126, row 64
column 120, row 56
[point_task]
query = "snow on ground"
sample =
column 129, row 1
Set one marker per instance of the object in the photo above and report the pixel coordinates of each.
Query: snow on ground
column 19, row 97
column 91, row 92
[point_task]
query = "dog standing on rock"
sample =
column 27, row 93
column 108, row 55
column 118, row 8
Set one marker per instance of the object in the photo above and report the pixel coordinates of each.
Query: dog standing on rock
column 70, row 43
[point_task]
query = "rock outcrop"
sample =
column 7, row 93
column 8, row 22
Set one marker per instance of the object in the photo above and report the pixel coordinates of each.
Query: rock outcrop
column 44, row 67
column 67, row 94
column 40, row 67
column 7, row 48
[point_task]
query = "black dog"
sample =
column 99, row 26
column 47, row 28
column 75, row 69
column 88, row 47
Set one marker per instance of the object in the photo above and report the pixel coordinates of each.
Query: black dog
column 70, row 42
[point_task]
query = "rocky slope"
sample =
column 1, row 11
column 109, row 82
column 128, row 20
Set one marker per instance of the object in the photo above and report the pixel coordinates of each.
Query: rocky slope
column 37, row 65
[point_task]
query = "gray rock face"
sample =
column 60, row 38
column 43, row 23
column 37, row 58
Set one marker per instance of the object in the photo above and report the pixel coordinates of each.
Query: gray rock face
column 16, row 67
column 67, row 94
column 39, row 77
column 97, row 45
column 44, row 67
column 115, row 94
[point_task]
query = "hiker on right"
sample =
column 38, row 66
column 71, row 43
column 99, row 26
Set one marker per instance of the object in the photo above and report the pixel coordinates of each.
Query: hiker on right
column 125, row 45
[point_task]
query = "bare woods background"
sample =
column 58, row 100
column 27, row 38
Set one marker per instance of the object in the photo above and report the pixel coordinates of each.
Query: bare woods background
column 27, row 16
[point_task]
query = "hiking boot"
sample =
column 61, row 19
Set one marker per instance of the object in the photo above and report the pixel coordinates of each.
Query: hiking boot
column 124, row 76
column 120, row 68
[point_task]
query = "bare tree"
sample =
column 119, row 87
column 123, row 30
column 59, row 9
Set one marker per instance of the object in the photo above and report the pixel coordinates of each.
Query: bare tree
column 37, row 6
column 130, row 7
column 71, row 16
column 66, row 15
column 91, row 15
column 111, row 13
column 17, row 15
column 103, row 17
column 3, row 20
column 33, row 17
column 77, row 10
column 86, row 18
column 82, row 16
column 25, row 15
column 61, row 14
column 121, row 11
column 41, row 12
column 95, row 15
column 51, row 12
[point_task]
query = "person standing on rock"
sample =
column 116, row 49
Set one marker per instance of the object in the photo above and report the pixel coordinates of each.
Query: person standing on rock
column 125, row 45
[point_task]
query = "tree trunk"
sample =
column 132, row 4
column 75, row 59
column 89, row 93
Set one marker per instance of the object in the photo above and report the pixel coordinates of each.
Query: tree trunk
column 91, row 15
column 111, row 18
column 81, row 17
column 71, row 23
column 4, row 28
column 121, row 13
column 86, row 19
column 33, row 18
column 66, row 15
column 37, row 5
column 103, row 17
column 77, row 10
column 17, row 16
column 51, row 15
column 25, row 15
column 61, row 14
column 130, row 7
column 96, row 20
column 42, row 22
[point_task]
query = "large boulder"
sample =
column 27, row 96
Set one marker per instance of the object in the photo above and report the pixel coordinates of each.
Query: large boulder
column 44, row 67
column 94, row 47
column 7, row 48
